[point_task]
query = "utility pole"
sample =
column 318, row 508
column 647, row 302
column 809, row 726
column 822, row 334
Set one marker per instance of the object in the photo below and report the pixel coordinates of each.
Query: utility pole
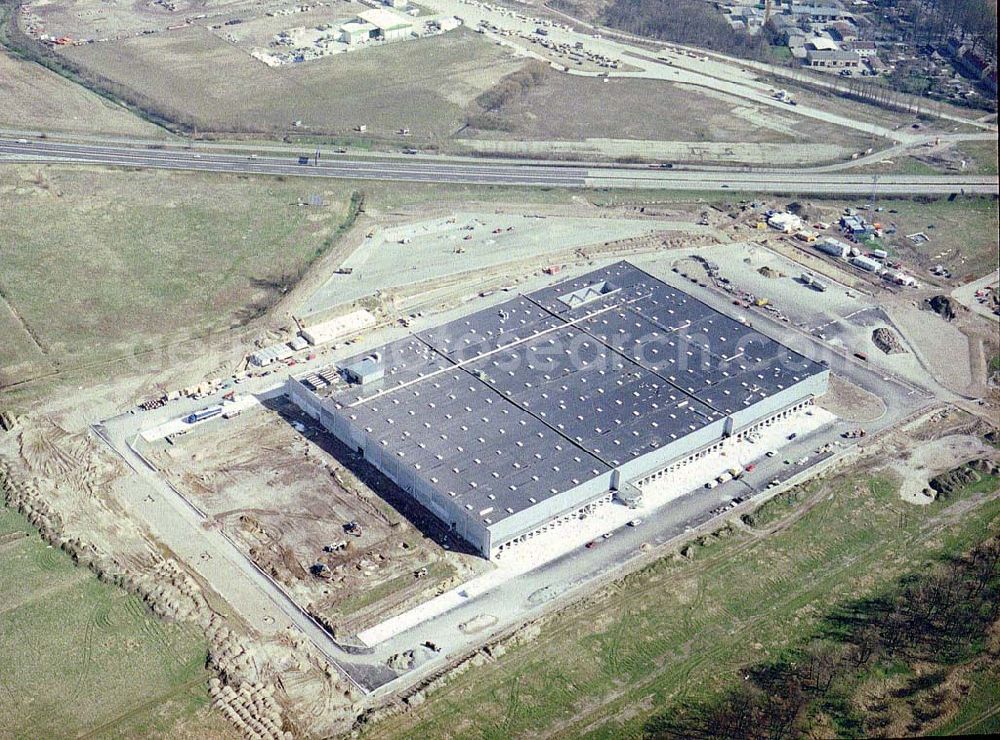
column 871, row 205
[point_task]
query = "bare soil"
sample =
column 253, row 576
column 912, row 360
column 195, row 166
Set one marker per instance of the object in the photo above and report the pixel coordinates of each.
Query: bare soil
column 850, row 402
column 271, row 478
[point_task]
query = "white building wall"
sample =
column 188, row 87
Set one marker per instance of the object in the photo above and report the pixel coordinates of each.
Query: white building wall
column 303, row 397
column 673, row 451
column 814, row 385
column 397, row 34
column 530, row 519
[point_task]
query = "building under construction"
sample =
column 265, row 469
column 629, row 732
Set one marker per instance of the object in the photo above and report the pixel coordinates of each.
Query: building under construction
column 516, row 417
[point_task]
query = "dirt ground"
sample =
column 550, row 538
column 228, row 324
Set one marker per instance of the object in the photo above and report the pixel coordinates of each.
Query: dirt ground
column 932, row 458
column 943, row 348
column 273, row 480
column 477, row 241
column 34, row 98
column 933, row 445
column 850, row 402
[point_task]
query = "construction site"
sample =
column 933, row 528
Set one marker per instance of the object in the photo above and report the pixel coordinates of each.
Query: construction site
column 614, row 341
column 499, row 369
column 338, row 536
column 529, row 403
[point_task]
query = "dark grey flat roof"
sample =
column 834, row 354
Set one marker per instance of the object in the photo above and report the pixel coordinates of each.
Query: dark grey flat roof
column 512, row 404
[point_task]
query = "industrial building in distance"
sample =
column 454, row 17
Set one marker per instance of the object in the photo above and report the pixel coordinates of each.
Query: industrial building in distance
column 517, row 417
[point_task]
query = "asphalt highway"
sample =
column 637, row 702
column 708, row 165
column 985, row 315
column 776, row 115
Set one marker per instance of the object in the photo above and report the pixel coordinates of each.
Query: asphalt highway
column 330, row 165
column 421, row 168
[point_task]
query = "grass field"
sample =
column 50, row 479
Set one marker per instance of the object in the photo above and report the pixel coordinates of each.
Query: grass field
column 34, row 98
column 963, row 233
column 128, row 260
column 654, row 110
column 682, row 631
column 980, row 713
column 80, row 657
column 196, row 78
column 981, row 157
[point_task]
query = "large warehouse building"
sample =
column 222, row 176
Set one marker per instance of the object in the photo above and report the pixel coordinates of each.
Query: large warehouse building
column 519, row 415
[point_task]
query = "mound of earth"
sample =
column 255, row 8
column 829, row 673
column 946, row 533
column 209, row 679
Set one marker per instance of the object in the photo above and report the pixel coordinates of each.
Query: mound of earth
column 942, row 305
column 946, row 484
column 887, row 341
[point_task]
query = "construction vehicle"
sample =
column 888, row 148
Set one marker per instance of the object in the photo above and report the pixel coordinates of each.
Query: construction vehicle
column 321, row 570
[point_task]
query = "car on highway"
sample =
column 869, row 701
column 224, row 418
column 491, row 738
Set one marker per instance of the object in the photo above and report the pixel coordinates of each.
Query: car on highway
column 592, row 544
column 771, row 453
column 607, row 535
column 635, row 522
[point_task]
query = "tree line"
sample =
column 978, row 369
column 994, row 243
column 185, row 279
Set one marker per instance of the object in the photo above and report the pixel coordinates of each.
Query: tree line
column 685, row 22
column 935, row 21
column 941, row 618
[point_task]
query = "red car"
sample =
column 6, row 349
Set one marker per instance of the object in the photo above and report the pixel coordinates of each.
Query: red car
column 592, row 543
